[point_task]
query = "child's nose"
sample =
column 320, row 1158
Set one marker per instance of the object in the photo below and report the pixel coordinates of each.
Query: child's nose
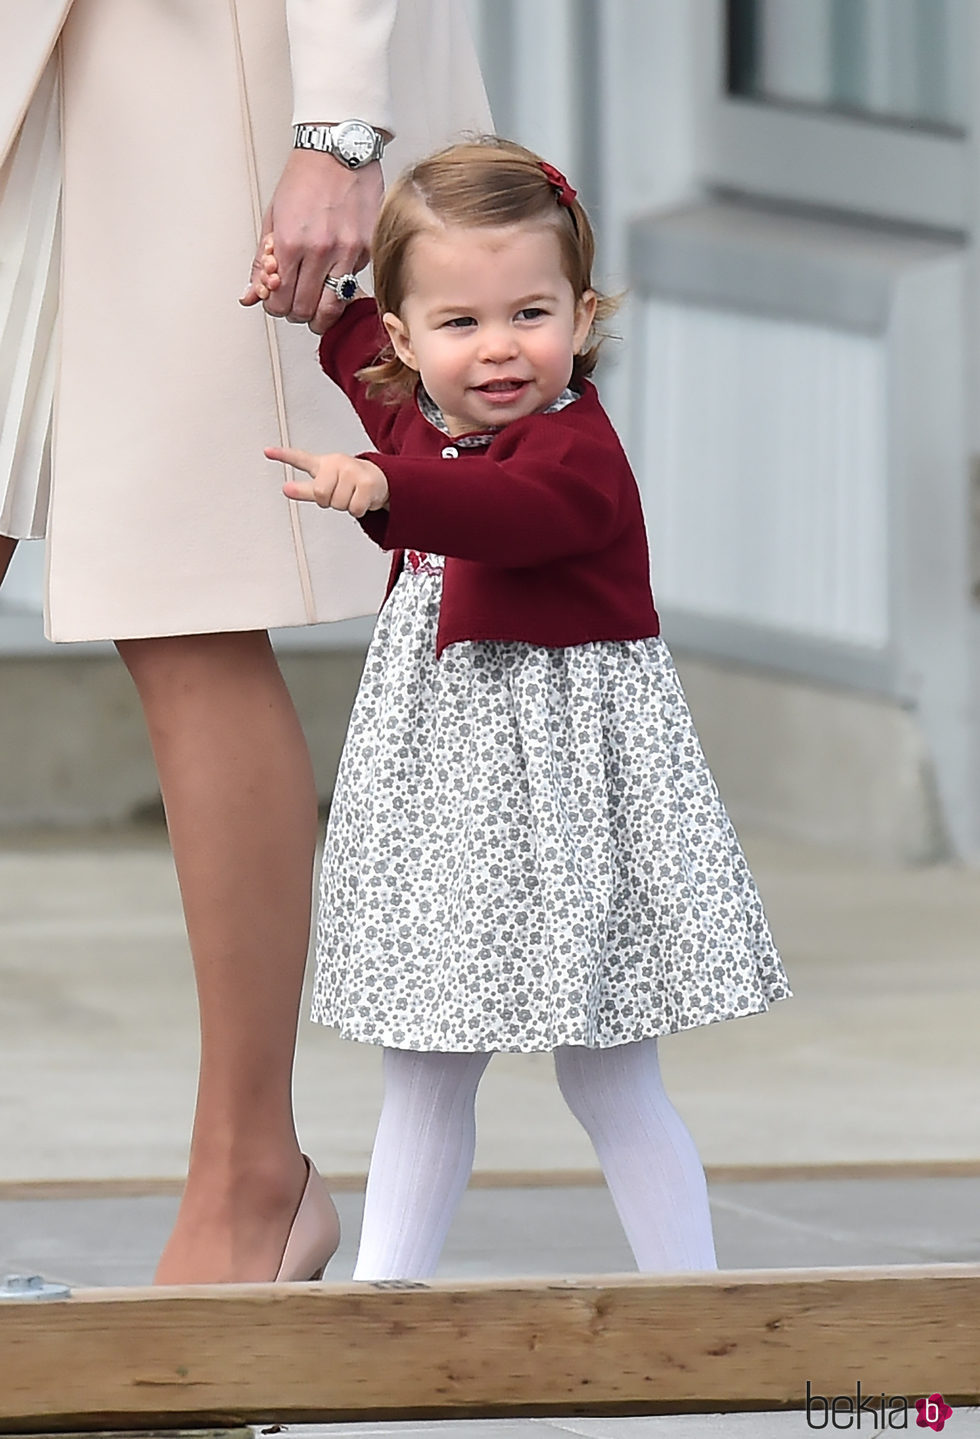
column 499, row 342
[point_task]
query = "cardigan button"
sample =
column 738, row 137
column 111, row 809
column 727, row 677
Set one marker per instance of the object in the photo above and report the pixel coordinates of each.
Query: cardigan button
column 450, row 453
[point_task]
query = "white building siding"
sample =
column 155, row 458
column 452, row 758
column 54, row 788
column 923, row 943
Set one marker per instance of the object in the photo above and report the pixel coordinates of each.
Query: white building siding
column 763, row 459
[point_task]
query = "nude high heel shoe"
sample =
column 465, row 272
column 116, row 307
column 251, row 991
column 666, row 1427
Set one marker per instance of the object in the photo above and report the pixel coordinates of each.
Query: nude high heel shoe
column 313, row 1235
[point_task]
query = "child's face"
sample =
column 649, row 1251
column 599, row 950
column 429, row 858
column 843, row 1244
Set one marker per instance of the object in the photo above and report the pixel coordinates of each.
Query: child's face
column 490, row 322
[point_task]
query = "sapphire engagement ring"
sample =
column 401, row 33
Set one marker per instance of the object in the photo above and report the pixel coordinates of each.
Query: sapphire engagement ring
column 343, row 286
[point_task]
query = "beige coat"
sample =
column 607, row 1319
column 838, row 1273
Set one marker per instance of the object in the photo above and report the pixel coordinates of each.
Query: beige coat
column 164, row 516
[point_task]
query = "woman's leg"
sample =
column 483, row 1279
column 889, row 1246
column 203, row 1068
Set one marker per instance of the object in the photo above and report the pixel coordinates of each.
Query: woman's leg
column 7, row 547
column 422, row 1158
column 238, row 790
column 647, row 1155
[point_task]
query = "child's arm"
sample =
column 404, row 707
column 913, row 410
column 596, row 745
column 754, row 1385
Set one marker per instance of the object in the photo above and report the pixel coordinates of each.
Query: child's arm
column 551, row 490
column 341, row 366
column 337, row 482
column 344, row 351
column 551, row 486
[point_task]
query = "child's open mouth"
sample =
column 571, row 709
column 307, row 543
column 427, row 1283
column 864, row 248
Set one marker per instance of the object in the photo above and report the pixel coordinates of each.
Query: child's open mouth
column 502, row 389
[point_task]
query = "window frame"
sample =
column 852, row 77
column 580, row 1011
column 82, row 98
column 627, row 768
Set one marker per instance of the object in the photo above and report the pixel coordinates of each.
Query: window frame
column 863, row 165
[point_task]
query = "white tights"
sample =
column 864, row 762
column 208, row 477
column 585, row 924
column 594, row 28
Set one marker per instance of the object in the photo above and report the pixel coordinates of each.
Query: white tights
column 423, row 1155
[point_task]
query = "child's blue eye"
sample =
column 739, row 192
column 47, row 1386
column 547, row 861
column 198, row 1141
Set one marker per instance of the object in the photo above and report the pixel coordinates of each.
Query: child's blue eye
column 531, row 312
column 460, row 322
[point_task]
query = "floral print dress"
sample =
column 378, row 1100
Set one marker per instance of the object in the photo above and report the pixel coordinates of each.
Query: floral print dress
column 526, row 849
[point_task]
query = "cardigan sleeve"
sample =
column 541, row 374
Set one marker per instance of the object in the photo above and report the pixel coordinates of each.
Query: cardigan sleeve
column 357, row 339
column 339, row 56
column 548, row 493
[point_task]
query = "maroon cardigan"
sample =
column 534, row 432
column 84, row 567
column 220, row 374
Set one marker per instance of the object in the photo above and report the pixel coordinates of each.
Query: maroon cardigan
column 540, row 522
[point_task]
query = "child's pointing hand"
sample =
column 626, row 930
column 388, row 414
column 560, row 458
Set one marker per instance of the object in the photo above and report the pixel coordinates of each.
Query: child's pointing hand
column 337, row 482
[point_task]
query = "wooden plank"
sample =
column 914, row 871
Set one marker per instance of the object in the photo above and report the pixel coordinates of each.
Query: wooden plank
column 239, row 1432
column 122, row 1188
column 844, row 1169
column 266, row 1353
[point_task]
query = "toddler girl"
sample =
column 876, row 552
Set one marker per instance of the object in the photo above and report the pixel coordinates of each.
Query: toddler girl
column 526, row 850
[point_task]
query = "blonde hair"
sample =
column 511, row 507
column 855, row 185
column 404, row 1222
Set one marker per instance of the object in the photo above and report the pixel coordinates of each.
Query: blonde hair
column 482, row 182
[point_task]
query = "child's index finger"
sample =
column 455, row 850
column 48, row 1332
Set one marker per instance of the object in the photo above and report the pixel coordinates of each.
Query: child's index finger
column 298, row 459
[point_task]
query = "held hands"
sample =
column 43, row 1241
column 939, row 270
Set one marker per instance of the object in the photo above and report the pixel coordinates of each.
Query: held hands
column 337, row 482
column 266, row 279
column 265, row 274
column 319, row 223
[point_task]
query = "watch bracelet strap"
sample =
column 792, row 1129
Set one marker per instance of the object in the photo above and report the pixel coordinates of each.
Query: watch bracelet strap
column 317, row 137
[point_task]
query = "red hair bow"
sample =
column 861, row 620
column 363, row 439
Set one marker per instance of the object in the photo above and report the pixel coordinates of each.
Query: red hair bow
column 559, row 184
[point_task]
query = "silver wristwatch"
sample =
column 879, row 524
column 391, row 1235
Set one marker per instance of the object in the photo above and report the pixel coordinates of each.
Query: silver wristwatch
column 353, row 142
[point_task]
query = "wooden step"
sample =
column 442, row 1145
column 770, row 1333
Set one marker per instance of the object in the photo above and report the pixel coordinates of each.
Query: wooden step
column 145, row 1358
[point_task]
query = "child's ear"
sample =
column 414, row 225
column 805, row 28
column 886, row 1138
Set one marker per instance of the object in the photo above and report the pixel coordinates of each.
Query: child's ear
column 584, row 315
column 398, row 335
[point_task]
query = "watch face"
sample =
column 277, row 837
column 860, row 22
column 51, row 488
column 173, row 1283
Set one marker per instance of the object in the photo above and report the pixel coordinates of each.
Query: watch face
column 355, row 143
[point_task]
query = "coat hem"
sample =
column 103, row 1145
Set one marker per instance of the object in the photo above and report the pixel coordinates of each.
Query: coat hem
column 140, row 633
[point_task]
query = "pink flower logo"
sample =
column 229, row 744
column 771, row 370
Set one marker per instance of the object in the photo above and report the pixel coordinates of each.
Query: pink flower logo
column 933, row 1412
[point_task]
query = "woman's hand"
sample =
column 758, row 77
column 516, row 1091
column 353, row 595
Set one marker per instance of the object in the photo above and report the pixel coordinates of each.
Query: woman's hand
column 320, row 223
column 337, row 482
column 267, row 279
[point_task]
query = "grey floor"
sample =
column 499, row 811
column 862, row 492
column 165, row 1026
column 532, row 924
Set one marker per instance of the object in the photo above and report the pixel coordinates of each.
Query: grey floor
column 549, row 1230
column 874, row 1061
